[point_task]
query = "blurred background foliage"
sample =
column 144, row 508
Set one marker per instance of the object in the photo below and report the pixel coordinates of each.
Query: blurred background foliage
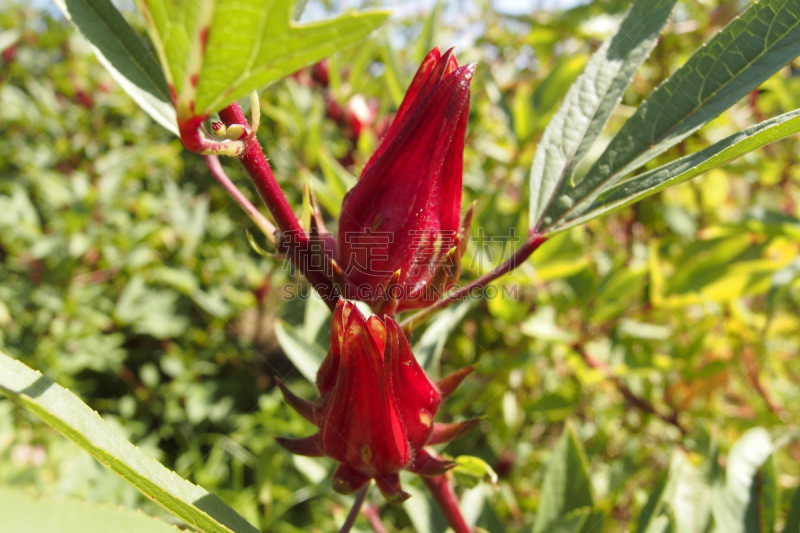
column 663, row 332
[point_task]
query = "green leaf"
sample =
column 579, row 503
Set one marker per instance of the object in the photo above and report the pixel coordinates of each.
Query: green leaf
column 301, row 350
column 572, row 522
column 213, row 52
column 21, row 512
column 392, row 76
column 738, row 59
column 743, row 488
column 122, row 53
column 473, row 470
column 793, row 520
column 428, row 349
column 66, row 413
column 591, row 100
column 662, row 524
column 566, row 485
column 646, row 184
column 425, row 41
column 764, row 505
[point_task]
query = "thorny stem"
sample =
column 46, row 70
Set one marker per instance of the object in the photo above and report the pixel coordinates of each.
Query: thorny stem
column 442, row 492
column 255, row 215
column 638, row 402
column 296, row 241
column 531, row 244
column 351, row 517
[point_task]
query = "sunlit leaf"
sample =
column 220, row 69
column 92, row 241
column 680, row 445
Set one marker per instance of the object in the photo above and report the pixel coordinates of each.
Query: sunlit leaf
column 66, row 413
column 216, row 51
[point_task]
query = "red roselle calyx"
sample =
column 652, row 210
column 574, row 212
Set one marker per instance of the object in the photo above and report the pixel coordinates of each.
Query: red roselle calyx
column 376, row 407
column 400, row 239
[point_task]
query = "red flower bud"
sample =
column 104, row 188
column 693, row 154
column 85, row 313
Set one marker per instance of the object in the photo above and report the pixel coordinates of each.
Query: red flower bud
column 404, row 212
column 376, row 408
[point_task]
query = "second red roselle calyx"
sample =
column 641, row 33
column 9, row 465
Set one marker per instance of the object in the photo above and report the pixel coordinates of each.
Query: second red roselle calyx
column 399, row 239
column 376, row 407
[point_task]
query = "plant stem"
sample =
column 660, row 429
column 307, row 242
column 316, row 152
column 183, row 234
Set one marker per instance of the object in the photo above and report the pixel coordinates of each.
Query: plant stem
column 351, row 517
column 295, row 240
column 638, row 402
column 255, row 215
column 373, row 515
column 531, row 244
column 442, row 492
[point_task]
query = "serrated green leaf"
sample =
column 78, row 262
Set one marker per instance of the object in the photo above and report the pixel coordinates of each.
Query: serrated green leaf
column 302, row 352
column 566, row 485
column 24, row 513
column 590, row 102
column 66, row 413
column 680, row 170
column 213, row 52
column 121, row 52
column 748, row 51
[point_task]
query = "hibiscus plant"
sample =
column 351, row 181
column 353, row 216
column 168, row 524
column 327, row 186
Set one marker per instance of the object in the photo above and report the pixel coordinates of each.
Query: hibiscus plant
column 392, row 259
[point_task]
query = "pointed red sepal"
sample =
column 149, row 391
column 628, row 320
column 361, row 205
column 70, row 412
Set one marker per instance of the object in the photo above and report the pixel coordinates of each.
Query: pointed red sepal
column 419, row 398
column 446, row 432
column 326, row 375
column 424, row 464
column 389, row 485
column 450, row 383
column 360, row 425
column 348, row 480
column 308, row 446
column 303, row 407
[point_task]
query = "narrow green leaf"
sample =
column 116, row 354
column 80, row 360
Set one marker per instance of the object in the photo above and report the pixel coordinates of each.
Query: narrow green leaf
column 731, row 501
column 391, row 74
column 428, row 349
column 426, row 37
column 120, row 50
column 23, row 513
column 680, row 170
column 762, row 510
column 213, row 52
column 738, row 59
column 591, row 100
column 301, row 351
column 566, row 485
column 572, row 522
column 793, row 520
column 662, row 524
column 66, row 413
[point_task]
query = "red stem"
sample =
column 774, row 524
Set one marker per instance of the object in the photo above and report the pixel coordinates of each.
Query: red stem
column 531, row 244
column 351, row 517
column 442, row 492
column 261, row 221
column 295, row 238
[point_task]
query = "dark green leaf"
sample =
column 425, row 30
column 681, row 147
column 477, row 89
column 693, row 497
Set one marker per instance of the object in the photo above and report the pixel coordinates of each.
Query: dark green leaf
column 590, row 102
column 566, row 485
column 680, row 170
column 738, row 59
